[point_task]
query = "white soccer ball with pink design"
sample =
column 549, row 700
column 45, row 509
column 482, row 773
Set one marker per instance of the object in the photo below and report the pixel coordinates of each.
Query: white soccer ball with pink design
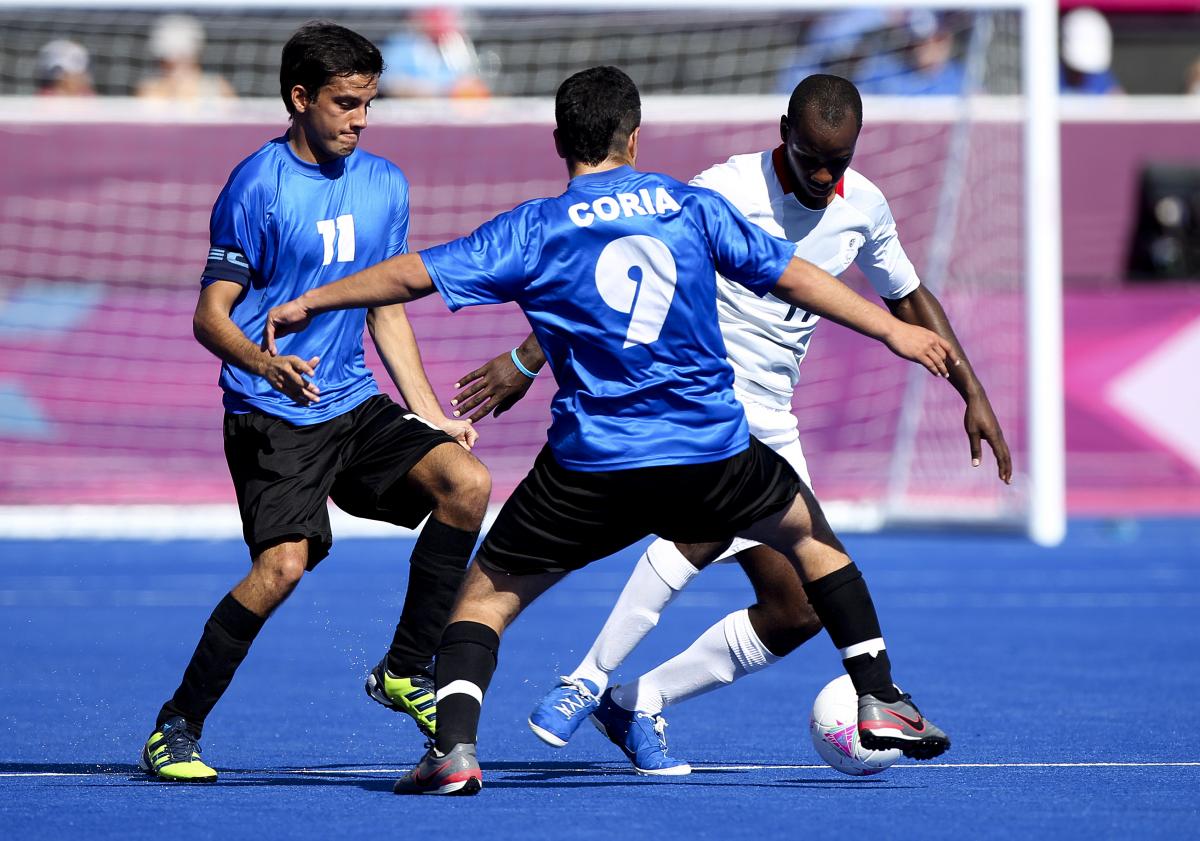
column 834, row 730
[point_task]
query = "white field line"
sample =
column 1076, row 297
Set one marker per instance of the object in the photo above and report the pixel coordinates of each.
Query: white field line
column 318, row 772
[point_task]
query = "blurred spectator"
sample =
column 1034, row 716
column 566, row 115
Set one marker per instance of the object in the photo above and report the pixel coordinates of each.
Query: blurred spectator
column 432, row 57
column 924, row 63
column 1086, row 53
column 1191, row 82
column 177, row 41
column 836, row 43
column 63, row 70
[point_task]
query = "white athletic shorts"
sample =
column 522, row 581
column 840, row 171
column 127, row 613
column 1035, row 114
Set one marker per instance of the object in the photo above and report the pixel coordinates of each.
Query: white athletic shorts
column 775, row 427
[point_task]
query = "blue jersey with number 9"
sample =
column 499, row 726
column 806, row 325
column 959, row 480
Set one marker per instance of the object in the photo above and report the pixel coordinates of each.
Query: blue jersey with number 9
column 617, row 277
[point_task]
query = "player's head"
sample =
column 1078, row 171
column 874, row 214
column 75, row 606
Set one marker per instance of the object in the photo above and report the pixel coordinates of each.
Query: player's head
column 819, row 133
column 597, row 112
column 327, row 77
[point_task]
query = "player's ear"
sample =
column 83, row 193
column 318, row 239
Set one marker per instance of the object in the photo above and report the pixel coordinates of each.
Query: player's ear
column 783, row 128
column 300, row 100
column 558, row 146
column 632, row 148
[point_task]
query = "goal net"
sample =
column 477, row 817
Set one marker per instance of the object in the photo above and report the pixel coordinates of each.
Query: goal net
column 106, row 399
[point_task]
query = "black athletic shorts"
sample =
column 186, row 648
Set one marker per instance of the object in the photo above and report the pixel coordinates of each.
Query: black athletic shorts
column 559, row 520
column 284, row 474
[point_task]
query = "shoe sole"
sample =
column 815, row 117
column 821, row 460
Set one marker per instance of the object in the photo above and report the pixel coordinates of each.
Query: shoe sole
column 150, row 772
column 465, row 788
column 546, row 736
column 376, row 694
column 919, row 749
column 677, row 771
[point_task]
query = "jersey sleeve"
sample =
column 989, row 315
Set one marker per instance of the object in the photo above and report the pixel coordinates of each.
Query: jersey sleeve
column 742, row 251
column 398, row 227
column 236, row 236
column 488, row 266
column 882, row 258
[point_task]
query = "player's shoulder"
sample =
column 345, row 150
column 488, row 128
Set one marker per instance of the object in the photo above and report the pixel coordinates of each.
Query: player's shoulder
column 256, row 177
column 377, row 166
column 863, row 194
column 739, row 174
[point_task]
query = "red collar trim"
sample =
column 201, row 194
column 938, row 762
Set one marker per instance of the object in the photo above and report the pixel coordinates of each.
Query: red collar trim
column 785, row 175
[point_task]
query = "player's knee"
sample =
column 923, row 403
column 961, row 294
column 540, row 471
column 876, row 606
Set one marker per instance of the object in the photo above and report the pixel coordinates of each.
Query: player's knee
column 282, row 571
column 463, row 494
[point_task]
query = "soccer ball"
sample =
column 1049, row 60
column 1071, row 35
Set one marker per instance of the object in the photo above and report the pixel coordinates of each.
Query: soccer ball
column 834, row 730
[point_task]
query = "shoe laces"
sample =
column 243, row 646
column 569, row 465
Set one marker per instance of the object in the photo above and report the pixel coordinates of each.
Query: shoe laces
column 659, row 725
column 579, row 698
column 180, row 744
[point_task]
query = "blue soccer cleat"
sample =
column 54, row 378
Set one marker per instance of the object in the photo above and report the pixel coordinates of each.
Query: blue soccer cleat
column 558, row 715
column 640, row 737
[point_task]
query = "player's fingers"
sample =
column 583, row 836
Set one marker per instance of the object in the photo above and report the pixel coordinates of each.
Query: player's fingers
column 976, row 448
column 934, row 365
column 1003, row 459
column 471, row 388
column 468, row 378
column 465, row 407
column 269, row 337
column 472, row 437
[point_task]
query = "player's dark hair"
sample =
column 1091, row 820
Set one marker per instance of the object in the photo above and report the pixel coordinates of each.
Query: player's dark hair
column 596, row 111
column 321, row 50
column 830, row 97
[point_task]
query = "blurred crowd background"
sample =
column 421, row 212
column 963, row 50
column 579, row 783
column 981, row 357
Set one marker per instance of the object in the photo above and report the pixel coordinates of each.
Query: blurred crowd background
column 1151, row 47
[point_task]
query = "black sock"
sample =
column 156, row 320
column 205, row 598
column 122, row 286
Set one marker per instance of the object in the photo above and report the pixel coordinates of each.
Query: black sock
column 467, row 657
column 222, row 648
column 843, row 604
column 436, row 568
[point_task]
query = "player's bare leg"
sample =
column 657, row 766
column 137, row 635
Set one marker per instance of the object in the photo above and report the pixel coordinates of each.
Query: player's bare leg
column 839, row 596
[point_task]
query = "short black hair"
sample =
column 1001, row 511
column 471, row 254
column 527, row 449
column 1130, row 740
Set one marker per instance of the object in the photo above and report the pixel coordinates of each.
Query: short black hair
column 321, row 50
column 596, row 111
column 830, row 96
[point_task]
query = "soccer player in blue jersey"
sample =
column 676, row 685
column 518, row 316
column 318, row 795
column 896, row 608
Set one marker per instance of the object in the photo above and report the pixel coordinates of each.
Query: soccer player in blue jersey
column 617, row 278
column 309, row 423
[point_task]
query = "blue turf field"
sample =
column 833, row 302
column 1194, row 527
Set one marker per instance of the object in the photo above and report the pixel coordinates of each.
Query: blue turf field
column 1067, row 679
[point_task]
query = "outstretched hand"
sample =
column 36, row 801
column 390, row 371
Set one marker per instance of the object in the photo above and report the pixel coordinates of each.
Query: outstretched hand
column 924, row 347
column 493, row 388
column 291, row 317
column 981, row 425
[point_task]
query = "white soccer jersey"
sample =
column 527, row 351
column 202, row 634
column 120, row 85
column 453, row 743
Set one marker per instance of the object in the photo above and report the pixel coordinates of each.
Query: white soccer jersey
column 766, row 339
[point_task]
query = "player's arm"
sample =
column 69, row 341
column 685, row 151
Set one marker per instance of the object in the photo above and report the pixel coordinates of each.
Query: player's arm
column 809, row 287
column 396, row 280
column 497, row 385
column 921, row 307
column 393, row 336
column 214, row 329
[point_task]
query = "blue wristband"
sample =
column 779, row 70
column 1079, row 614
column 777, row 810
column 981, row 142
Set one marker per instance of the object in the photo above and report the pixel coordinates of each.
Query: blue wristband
column 520, row 367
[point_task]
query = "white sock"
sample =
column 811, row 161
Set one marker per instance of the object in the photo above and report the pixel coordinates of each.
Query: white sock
column 727, row 651
column 657, row 578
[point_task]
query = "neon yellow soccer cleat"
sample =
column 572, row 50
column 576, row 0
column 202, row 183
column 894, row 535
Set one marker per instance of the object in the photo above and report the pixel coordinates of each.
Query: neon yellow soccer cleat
column 172, row 753
column 413, row 696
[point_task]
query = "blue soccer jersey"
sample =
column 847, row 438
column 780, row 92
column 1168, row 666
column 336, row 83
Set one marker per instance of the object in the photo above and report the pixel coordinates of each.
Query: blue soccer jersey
column 617, row 278
column 283, row 226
